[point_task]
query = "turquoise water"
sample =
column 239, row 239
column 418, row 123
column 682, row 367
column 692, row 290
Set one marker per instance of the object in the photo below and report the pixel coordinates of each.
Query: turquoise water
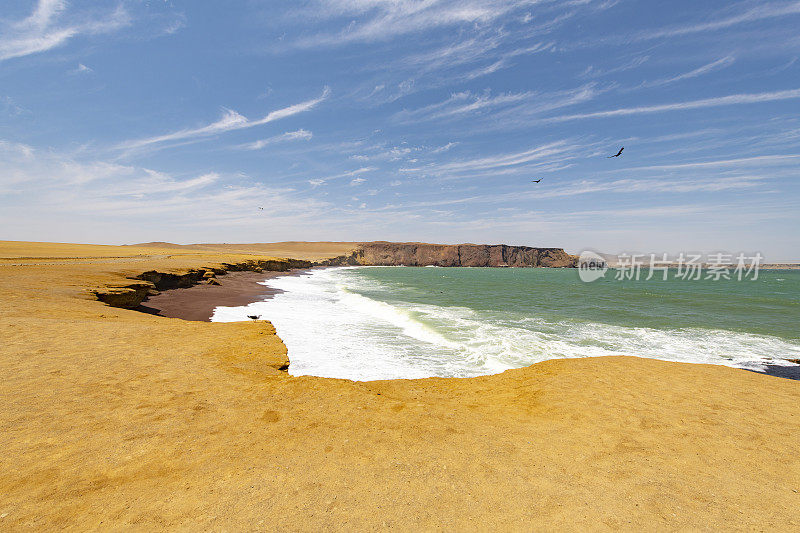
column 769, row 305
column 398, row 322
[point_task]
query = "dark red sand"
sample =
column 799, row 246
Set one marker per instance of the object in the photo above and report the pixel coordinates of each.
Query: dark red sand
column 198, row 302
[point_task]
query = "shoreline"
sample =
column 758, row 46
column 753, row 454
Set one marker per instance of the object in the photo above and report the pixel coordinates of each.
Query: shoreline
column 240, row 288
column 118, row 419
column 779, row 371
column 197, row 303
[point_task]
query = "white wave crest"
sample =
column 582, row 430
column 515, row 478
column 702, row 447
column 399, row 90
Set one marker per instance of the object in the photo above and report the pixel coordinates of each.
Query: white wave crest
column 332, row 331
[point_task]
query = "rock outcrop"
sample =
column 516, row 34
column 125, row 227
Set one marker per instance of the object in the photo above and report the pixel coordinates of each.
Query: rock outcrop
column 131, row 294
column 127, row 295
column 454, row 255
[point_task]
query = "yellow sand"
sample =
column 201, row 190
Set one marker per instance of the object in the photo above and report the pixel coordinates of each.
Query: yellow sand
column 116, row 419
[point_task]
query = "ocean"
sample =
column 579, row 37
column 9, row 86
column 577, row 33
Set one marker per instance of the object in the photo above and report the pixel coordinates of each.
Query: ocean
column 367, row 323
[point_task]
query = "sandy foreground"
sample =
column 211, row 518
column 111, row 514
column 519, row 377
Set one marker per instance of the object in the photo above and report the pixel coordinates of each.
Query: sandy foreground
column 116, row 419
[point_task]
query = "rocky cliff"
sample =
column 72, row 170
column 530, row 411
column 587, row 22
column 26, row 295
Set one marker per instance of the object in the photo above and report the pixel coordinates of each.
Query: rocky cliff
column 131, row 293
column 449, row 255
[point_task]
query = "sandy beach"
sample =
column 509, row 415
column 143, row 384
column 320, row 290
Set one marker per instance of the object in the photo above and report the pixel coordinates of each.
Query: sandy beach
column 198, row 302
column 118, row 419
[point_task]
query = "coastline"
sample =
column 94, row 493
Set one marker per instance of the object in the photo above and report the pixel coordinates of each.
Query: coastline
column 780, row 371
column 118, row 419
column 197, row 303
column 323, row 362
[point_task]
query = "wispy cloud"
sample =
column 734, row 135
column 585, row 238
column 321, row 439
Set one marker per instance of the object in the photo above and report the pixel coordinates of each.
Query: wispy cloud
column 41, row 31
column 25, row 165
column 456, row 53
column 81, row 69
column 8, row 106
column 512, row 105
column 230, row 121
column 299, row 135
column 483, row 47
column 463, row 103
column 633, row 186
column 370, row 21
column 587, row 187
column 593, row 72
column 550, row 152
column 740, row 161
column 66, row 187
column 761, row 12
column 476, row 49
column 734, row 99
column 443, row 148
column 714, row 65
column 316, row 182
column 382, row 20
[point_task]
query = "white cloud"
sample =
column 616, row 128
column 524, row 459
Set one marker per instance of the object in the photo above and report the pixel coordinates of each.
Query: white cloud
column 584, row 187
column 230, row 121
column 592, row 72
column 483, row 47
column 714, row 65
column 444, row 148
column 349, row 174
column 26, row 168
column 299, row 135
column 556, row 151
column 464, row 103
column 737, row 162
column 380, row 20
column 16, row 150
column 44, row 194
column 10, row 107
column 735, row 99
column 81, row 69
column 357, row 181
column 763, row 11
column 509, row 108
column 661, row 186
column 41, row 30
column 456, row 53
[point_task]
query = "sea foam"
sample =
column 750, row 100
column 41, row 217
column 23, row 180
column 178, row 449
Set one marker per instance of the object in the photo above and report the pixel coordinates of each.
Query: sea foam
column 331, row 330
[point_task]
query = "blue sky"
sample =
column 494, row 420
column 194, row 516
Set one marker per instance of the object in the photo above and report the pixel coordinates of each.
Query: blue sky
column 129, row 121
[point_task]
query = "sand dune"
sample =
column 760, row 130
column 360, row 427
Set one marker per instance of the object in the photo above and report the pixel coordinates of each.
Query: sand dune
column 117, row 419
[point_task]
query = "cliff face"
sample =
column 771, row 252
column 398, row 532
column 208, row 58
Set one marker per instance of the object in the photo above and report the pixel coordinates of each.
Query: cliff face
column 130, row 294
column 450, row 255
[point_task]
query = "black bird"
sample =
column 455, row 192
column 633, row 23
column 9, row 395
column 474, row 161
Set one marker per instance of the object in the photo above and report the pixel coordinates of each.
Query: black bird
column 617, row 154
column 536, row 181
column 254, row 317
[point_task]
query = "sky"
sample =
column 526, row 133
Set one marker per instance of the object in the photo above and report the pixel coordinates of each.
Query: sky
column 134, row 121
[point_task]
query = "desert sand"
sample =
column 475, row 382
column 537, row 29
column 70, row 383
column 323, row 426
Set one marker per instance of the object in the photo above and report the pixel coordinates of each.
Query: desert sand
column 116, row 419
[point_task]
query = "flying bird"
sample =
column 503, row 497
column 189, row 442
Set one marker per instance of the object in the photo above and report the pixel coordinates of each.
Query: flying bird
column 536, row 181
column 617, row 154
column 253, row 317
